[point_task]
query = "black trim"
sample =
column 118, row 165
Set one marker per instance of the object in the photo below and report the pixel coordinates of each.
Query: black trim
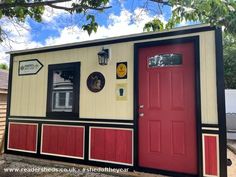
column 137, row 46
column 221, row 101
column 210, row 125
column 127, row 39
column 39, row 138
column 29, row 73
column 198, row 104
column 75, row 67
column 77, row 119
column 210, row 131
column 86, row 144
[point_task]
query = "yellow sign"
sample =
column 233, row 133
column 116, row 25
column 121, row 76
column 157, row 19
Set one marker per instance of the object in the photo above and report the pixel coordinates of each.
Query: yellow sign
column 121, row 70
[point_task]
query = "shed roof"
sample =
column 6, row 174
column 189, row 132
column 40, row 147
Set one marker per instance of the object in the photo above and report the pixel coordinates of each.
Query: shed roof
column 3, row 79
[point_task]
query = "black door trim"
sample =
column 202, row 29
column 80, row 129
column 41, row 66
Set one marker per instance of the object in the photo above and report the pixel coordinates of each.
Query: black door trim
column 137, row 46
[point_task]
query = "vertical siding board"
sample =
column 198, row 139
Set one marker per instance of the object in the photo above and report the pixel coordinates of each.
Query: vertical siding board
column 210, row 155
column 98, row 144
column 211, row 81
column 208, row 78
column 129, row 147
column 46, row 139
column 31, row 95
column 53, row 145
column 70, row 141
column 30, row 143
column 63, row 140
column 121, row 152
column 22, row 137
column 110, row 145
column 79, row 143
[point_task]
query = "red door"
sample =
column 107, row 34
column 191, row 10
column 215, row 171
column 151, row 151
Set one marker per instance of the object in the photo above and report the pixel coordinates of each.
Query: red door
column 167, row 121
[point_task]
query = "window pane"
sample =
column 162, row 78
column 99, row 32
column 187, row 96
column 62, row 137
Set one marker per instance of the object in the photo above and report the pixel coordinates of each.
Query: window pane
column 62, row 90
column 164, row 60
column 63, row 79
column 62, row 99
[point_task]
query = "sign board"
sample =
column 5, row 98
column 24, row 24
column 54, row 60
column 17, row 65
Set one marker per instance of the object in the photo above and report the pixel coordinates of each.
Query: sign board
column 29, row 67
column 121, row 70
column 121, row 92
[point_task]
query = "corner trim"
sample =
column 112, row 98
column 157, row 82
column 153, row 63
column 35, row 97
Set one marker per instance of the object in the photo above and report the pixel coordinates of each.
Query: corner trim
column 221, row 101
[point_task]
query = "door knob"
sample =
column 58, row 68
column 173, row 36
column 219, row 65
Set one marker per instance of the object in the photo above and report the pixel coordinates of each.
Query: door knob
column 141, row 114
column 141, row 106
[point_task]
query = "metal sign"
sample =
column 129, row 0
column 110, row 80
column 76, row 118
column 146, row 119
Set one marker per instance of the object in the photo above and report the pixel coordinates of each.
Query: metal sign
column 29, row 67
column 121, row 70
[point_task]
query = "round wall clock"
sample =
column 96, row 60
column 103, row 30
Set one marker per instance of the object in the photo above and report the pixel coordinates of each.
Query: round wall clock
column 95, row 82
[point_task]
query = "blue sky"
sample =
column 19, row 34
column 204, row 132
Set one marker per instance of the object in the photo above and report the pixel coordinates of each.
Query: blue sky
column 125, row 17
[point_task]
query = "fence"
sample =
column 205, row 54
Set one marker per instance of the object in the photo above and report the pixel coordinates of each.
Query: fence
column 230, row 100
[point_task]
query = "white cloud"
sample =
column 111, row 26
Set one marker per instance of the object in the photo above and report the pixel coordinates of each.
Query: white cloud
column 125, row 23
column 50, row 13
column 122, row 24
column 16, row 36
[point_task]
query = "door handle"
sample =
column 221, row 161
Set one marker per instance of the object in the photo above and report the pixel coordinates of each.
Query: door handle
column 141, row 114
column 141, row 106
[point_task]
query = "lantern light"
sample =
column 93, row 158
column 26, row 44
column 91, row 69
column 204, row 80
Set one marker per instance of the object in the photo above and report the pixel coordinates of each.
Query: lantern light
column 103, row 56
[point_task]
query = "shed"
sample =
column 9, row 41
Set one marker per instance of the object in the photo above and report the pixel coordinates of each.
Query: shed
column 148, row 102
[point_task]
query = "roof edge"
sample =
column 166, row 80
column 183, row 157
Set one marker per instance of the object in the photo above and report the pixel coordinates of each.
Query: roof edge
column 75, row 44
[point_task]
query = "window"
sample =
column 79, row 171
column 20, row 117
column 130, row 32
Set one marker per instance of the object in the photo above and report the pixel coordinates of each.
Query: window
column 164, row 60
column 63, row 91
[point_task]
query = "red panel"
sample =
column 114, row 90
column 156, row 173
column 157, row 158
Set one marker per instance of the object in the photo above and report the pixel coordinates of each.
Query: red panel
column 154, row 91
column 111, row 145
column 155, row 136
column 177, row 89
column 22, row 136
column 167, row 129
column 63, row 140
column 210, row 155
column 178, row 139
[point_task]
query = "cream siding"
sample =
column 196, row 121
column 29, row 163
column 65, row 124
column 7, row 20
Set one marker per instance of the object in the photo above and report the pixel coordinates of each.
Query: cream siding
column 29, row 93
column 208, row 78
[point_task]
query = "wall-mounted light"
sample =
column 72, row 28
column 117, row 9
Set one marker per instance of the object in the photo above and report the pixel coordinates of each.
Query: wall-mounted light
column 103, row 56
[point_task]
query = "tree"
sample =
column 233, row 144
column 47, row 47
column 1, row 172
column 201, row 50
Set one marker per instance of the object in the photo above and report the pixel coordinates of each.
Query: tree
column 21, row 9
column 215, row 12
column 230, row 61
column 3, row 66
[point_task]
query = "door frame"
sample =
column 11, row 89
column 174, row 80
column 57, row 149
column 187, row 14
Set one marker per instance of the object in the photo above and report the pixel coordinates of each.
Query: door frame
column 137, row 46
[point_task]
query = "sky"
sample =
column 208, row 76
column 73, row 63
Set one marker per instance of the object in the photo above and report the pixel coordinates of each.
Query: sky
column 58, row 27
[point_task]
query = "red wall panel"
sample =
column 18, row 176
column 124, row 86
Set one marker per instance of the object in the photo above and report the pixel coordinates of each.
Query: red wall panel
column 63, row 140
column 22, row 137
column 210, row 143
column 111, row 145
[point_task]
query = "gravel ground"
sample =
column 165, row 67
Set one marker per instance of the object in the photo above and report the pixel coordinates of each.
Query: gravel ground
column 17, row 162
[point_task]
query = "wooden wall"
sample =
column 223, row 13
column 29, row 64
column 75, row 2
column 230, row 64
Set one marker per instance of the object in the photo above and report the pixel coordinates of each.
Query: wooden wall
column 3, row 109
